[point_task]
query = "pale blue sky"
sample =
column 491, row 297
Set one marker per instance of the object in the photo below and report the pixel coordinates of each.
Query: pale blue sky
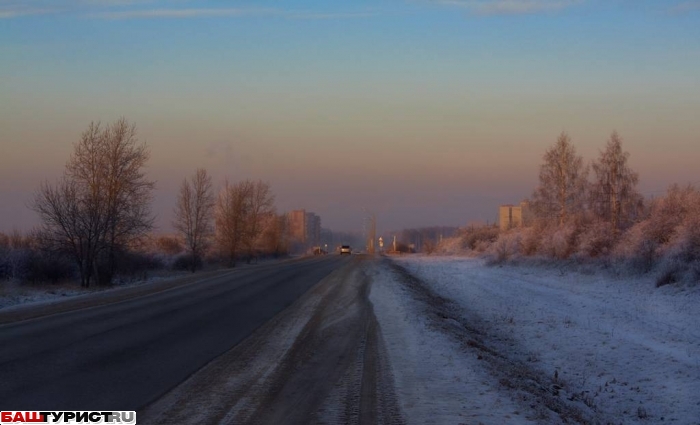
column 429, row 112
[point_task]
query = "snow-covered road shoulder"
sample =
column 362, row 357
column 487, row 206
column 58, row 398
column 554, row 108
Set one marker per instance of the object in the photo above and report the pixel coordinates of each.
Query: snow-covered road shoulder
column 618, row 351
column 437, row 382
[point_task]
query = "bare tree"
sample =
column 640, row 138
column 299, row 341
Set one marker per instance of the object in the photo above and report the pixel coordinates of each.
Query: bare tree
column 275, row 236
column 562, row 186
column 193, row 214
column 242, row 210
column 128, row 191
column 261, row 207
column 613, row 194
column 102, row 203
column 68, row 224
column 232, row 208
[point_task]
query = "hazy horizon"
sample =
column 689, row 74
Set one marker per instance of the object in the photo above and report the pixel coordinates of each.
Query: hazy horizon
column 424, row 112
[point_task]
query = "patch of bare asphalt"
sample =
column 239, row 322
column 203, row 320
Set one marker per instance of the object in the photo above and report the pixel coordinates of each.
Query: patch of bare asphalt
column 546, row 395
column 320, row 361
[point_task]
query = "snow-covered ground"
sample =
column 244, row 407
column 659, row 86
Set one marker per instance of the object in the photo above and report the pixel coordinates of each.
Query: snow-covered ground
column 435, row 382
column 15, row 294
column 12, row 293
column 620, row 350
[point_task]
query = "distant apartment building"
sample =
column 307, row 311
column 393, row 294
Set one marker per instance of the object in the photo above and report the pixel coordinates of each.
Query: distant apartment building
column 304, row 229
column 313, row 229
column 511, row 216
column 297, row 225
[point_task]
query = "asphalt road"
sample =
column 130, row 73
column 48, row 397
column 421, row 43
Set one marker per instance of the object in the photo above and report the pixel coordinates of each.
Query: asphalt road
column 125, row 355
column 323, row 360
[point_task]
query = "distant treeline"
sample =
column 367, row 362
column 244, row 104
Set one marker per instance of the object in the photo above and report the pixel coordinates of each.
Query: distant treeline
column 593, row 214
column 96, row 221
column 422, row 239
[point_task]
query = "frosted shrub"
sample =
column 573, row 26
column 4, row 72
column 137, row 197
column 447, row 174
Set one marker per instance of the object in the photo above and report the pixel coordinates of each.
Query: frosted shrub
column 46, row 267
column 686, row 245
column 482, row 246
column 682, row 254
column 596, row 240
column 645, row 255
column 505, row 247
column 183, row 262
column 451, row 246
column 479, row 238
column 670, row 212
column 668, row 241
column 530, row 240
column 636, row 250
column 559, row 241
column 34, row 266
column 17, row 261
column 135, row 265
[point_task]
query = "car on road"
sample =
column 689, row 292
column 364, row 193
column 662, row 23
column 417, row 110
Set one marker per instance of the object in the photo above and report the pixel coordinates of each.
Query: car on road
column 345, row 249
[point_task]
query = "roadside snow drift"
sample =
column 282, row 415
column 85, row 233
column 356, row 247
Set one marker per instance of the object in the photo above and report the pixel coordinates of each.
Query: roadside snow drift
column 618, row 350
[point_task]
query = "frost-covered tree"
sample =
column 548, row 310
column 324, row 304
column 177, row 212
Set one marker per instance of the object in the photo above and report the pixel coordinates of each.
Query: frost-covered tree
column 193, row 214
column 102, row 203
column 232, row 210
column 241, row 212
column 562, row 189
column 613, row 194
column 275, row 235
column 261, row 207
column 127, row 191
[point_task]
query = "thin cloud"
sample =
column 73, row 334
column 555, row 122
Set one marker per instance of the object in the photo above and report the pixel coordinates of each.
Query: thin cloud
column 151, row 9
column 230, row 12
column 171, row 13
column 322, row 16
column 15, row 9
column 510, row 7
column 117, row 2
column 16, row 13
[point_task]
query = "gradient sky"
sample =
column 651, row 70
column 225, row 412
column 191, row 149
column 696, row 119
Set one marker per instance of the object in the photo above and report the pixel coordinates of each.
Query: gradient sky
column 425, row 112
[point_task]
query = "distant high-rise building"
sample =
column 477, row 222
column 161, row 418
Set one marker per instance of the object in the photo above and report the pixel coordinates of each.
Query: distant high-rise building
column 297, row 225
column 511, row 216
column 313, row 229
column 304, row 229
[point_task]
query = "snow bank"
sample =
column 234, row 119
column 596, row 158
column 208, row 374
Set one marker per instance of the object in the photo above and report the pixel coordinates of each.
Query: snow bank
column 435, row 382
column 630, row 351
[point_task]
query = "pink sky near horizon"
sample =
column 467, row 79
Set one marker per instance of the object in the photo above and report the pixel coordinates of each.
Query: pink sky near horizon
column 419, row 176
column 427, row 113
